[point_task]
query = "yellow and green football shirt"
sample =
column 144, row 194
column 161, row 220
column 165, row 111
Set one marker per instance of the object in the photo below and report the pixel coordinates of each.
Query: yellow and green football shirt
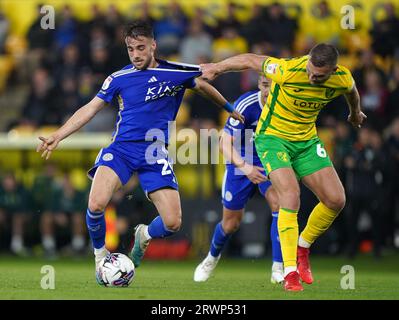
column 293, row 104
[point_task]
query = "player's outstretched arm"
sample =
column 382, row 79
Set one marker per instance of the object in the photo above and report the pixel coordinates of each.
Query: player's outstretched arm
column 356, row 116
column 240, row 62
column 253, row 173
column 211, row 93
column 82, row 116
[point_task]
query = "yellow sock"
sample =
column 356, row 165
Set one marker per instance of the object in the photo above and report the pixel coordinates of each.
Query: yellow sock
column 319, row 221
column 287, row 224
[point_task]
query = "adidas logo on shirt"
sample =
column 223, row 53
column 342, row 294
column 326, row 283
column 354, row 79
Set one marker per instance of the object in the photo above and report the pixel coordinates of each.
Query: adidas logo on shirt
column 153, row 79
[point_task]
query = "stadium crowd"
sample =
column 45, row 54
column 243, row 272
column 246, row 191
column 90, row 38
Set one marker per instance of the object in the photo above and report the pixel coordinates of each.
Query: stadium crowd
column 84, row 53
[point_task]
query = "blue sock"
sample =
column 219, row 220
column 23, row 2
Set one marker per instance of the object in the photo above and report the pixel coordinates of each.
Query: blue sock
column 276, row 247
column 156, row 229
column 219, row 239
column 95, row 222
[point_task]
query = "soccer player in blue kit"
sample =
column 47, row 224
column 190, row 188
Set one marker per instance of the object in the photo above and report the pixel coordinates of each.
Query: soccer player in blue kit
column 244, row 174
column 149, row 92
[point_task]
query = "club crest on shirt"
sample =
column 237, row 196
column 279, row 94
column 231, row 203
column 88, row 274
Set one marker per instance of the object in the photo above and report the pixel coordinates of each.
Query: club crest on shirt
column 282, row 156
column 106, row 83
column 108, row 157
column 271, row 68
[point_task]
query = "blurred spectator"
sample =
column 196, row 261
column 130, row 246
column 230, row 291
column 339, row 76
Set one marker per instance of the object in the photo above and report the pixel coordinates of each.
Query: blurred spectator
column 385, row 37
column 40, row 107
column 251, row 29
column 367, row 63
column 170, row 30
column 40, row 41
column 118, row 52
column 39, row 38
column 392, row 108
column 278, row 29
column 203, row 113
column 327, row 23
column 86, row 86
column 366, row 174
column 145, row 12
column 4, row 26
column 393, row 196
column 70, row 211
column 67, row 28
column 43, row 195
column 100, row 63
column 229, row 44
column 113, row 19
column 229, row 22
column 343, row 145
column 196, row 45
column 374, row 98
column 69, row 64
column 13, row 206
column 67, row 98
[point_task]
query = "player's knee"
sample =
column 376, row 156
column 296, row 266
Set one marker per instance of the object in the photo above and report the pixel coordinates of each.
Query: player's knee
column 231, row 225
column 290, row 198
column 173, row 224
column 273, row 204
column 336, row 202
column 96, row 204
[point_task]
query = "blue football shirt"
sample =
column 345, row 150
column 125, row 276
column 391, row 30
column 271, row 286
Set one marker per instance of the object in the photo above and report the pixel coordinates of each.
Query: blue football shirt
column 148, row 99
column 250, row 106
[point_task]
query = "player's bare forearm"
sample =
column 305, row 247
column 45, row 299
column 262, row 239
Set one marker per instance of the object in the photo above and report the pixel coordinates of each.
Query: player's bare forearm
column 356, row 116
column 240, row 62
column 228, row 151
column 82, row 116
column 77, row 121
column 353, row 100
column 254, row 174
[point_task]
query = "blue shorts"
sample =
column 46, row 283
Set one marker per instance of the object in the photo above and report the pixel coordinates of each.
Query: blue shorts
column 238, row 189
column 148, row 159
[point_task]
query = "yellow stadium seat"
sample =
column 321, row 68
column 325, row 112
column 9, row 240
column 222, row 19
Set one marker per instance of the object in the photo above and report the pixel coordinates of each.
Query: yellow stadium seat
column 188, row 179
column 10, row 160
column 79, row 178
column 6, row 66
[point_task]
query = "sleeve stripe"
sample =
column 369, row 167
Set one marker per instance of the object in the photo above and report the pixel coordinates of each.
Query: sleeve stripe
column 244, row 100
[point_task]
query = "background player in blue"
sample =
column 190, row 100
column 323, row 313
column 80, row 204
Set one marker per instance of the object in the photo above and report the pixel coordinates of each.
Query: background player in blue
column 149, row 92
column 244, row 174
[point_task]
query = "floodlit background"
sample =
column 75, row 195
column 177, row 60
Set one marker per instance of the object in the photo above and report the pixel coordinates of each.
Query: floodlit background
column 45, row 75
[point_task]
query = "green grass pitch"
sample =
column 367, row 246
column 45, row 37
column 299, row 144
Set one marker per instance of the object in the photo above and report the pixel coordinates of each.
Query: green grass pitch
column 233, row 279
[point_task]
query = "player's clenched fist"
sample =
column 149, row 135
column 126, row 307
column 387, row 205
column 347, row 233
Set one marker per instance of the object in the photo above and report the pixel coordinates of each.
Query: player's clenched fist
column 209, row 71
column 47, row 145
column 357, row 118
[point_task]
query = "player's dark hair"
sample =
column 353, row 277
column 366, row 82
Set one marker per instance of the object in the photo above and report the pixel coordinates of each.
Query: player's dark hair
column 324, row 54
column 138, row 28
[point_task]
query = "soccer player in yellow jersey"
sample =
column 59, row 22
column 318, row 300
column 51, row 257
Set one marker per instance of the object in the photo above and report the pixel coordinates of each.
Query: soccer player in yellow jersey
column 289, row 148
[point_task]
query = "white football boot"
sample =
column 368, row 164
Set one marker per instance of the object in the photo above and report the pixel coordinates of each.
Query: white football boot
column 277, row 273
column 99, row 254
column 205, row 268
